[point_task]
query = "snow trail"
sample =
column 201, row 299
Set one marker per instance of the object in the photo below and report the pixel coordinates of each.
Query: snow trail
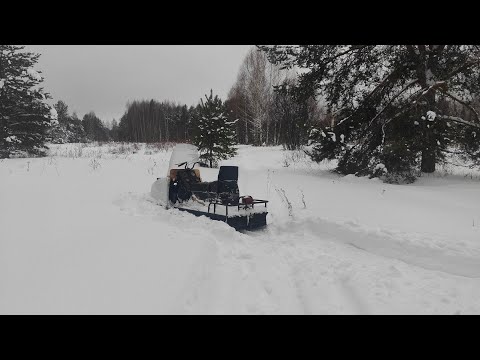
column 408, row 247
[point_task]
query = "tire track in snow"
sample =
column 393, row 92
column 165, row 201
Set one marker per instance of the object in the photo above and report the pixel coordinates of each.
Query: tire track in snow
column 261, row 272
column 314, row 291
column 397, row 246
column 350, row 292
column 227, row 277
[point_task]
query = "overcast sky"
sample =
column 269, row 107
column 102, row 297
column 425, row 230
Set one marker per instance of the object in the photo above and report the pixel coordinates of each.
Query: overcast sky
column 102, row 78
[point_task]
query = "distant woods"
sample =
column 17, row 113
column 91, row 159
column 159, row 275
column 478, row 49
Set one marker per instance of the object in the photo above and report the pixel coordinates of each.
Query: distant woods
column 153, row 121
column 266, row 116
column 262, row 115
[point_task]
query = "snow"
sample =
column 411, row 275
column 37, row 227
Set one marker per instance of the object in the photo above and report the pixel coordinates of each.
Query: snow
column 53, row 117
column 12, row 138
column 381, row 167
column 33, row 74
column 431, row 115
column 159, row 191
column 182, row 153
column 430, row 78
column 334, row 137
column 81, row 239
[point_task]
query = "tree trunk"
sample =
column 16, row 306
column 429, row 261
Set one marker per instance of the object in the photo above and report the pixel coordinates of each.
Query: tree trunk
column 429, row 146
column 428, row 154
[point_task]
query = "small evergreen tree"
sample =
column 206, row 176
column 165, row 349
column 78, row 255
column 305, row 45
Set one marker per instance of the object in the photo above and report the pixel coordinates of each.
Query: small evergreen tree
column 24, row 115
column 213, row 134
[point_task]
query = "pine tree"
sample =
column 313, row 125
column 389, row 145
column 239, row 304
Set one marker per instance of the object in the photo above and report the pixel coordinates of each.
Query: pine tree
column 24, row 115
column 384, row 101
column 213, row 134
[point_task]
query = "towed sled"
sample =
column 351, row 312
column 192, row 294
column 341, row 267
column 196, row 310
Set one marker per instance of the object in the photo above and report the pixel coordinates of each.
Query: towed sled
column 218, row 200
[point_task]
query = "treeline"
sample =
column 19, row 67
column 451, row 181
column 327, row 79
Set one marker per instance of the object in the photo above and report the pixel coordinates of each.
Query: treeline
column 153, row 121
column 265, row 115
column 71, row 129
column 143, row 121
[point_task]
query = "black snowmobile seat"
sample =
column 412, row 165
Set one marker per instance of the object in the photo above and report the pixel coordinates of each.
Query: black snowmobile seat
column 227, row 184
column 228, row 173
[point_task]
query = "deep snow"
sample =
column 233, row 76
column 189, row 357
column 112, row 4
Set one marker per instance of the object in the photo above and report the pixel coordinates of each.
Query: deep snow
column 80, row 234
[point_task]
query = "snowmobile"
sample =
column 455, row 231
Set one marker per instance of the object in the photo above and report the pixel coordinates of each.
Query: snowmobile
column 219, row 200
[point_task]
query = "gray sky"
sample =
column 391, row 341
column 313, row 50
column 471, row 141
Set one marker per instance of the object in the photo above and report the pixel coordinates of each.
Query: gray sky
column 102, row 78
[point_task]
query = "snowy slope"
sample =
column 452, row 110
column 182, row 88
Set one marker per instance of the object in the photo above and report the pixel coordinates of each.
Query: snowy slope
column 79, row 233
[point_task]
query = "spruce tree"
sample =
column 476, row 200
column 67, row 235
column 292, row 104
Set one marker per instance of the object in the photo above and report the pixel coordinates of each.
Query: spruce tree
column 386, row 104
column 213, row 133
column 24, row 115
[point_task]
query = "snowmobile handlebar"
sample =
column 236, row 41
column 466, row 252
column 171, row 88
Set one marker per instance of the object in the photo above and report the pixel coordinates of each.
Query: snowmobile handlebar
column 193, row 165
column 183, row 163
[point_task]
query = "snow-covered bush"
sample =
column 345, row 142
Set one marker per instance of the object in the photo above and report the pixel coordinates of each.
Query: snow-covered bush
column 297, row 156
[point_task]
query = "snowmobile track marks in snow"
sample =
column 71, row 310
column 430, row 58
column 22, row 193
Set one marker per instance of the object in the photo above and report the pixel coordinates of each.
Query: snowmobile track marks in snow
column 398, row 246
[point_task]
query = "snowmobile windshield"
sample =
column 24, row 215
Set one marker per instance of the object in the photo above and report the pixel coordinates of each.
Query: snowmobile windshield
column 183, row 153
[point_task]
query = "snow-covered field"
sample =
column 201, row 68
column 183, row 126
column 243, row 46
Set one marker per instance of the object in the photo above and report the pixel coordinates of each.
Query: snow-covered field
column 80, row 234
